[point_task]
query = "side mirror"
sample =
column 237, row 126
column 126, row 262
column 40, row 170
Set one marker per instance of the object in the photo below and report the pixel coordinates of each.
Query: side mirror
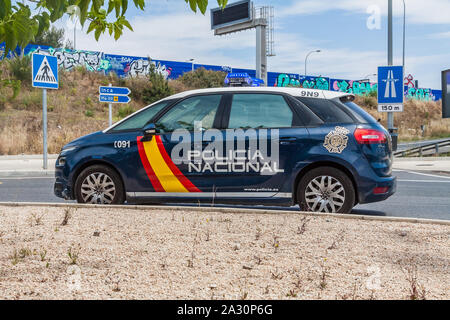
column 149, row 130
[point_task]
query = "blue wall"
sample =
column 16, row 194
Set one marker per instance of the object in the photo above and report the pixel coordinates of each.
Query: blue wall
column 125, row 66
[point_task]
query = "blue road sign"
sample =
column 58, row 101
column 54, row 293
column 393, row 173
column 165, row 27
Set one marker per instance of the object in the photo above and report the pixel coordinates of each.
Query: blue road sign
column 44, row 71
column 114, row 90
column 114, row 98
column 390, row 85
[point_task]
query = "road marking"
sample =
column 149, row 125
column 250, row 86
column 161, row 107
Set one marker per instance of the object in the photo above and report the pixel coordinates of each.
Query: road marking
column 26, row 178
column 427, row 174
column 434, row 181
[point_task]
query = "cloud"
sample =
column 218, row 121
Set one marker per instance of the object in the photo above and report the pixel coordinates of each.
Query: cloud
column 417, row 11
column 176, row 33
column 440, row 35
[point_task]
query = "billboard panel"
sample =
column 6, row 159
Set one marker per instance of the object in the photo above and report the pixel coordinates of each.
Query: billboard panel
column 446, row 94
column 234, row 13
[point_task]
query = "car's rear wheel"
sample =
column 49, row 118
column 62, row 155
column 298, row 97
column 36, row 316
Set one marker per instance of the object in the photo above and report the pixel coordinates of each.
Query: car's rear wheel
column 99, row 184
column 326, row 189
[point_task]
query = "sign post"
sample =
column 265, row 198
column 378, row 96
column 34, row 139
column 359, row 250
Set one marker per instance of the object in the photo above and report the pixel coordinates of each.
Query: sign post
column 390, row 95
column 45, row 76
column 446, row 94
column 113, row 95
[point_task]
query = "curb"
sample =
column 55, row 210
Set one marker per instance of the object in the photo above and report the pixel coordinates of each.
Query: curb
column 24, row 174
column 227, row 210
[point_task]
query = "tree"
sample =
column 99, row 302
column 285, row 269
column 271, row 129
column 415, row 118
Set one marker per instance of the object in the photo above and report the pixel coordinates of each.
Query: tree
column 20, row 24
column 52, row 37
column 202, row 78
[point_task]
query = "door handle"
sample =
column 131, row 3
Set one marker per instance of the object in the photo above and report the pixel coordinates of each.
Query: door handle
column 287, row 140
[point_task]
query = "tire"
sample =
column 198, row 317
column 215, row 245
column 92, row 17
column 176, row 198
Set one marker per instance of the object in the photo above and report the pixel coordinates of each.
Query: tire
column 314, row 193
column 99, row 184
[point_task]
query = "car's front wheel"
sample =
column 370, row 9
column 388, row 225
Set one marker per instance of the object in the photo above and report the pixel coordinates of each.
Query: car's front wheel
column 326, row 189
column 99, row 184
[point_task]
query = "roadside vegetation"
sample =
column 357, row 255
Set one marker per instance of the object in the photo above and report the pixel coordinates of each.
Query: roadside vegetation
column 74, row 110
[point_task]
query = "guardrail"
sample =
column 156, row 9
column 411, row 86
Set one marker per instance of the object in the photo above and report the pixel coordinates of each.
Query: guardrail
column 436, row 148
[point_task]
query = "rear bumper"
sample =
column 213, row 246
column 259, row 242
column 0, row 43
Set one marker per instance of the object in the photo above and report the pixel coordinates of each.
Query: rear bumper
column 366, row 194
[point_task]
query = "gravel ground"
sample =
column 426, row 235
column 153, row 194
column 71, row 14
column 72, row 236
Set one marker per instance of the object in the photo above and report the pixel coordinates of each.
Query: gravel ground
column 164, row 254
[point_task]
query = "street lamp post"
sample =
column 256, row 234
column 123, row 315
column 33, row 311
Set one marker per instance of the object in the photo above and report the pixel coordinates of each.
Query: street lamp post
column 192, row 62
column 404, row 32
column 309, row 53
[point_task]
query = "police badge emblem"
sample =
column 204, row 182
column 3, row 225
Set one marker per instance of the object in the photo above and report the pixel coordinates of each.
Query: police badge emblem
column 336, row 140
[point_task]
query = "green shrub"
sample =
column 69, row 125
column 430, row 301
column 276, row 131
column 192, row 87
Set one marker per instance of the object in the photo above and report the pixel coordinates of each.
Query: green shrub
column 20, row 68
column 158, row 87
column 124, row 111
column 202, row 78
column 89, row 113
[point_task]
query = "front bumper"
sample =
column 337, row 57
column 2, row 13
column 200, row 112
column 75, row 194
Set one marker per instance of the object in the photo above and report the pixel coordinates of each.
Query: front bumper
column 61, row 188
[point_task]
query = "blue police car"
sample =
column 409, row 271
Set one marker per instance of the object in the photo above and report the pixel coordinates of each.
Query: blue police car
column 244, row 145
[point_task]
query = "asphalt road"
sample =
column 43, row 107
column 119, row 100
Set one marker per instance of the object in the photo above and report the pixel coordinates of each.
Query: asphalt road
column 419, row 195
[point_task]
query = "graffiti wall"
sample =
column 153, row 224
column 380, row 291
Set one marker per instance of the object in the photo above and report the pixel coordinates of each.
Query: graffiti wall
column 132, row 66
column 353, row 86
column 296, row 80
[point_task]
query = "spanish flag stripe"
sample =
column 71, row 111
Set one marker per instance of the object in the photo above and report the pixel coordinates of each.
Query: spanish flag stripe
column 185, row 181
column 148, row 168
column 168, row 180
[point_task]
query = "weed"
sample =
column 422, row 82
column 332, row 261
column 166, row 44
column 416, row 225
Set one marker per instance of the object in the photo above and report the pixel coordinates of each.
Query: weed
column 35, row 220
column 276, row 275
column 302, row 228
column 43, row 254
column 24, row 252
column 337, row 240
column 276, row 242
column 324, row 273
column 292, row 293
column 73, row 253
column 258, row 233
column 89, row 113
column 416, row 290
column 15, row 258
column 124, row 111
column 67, row 216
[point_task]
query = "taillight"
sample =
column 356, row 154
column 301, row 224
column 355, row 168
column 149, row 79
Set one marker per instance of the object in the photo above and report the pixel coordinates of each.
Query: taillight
column 369, row 136
column 380, row 190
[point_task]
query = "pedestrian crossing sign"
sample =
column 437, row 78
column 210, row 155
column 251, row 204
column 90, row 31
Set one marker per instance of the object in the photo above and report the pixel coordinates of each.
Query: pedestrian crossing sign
column 45, row 71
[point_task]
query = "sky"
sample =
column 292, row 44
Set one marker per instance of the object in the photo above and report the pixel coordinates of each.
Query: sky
column 352, row 44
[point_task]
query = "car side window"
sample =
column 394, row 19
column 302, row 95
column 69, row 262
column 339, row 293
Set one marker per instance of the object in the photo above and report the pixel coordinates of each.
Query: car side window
column 260, row 111
column 139, row 120
column 326, row 110
column 189, row 113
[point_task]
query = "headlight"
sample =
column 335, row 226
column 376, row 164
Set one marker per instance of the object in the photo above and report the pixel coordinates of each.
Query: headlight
column 68, row 149
column 65, row 150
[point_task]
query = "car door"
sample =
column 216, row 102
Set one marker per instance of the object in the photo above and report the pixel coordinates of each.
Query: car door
column 122, row 147
column 168, row 156
column 265, row 134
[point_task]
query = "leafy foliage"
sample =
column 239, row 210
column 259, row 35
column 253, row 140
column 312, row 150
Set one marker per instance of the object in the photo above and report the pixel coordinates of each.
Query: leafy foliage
column 20, row 68
column 158, row 87
column 52, row 37
column 18, row 26
column 202, row 78
column 124, row 111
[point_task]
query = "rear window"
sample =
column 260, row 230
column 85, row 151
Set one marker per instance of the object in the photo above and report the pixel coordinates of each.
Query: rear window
column 326, row 110
column 359, row 113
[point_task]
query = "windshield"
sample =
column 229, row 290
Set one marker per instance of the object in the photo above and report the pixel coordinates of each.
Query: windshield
column 141, row 118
